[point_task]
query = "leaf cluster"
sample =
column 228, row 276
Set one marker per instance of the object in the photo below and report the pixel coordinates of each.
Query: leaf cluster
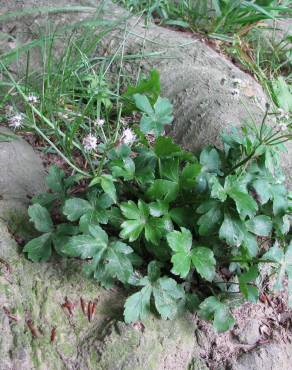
column 164, row 222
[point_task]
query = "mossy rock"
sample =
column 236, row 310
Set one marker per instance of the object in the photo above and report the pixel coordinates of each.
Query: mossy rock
column 32, row 297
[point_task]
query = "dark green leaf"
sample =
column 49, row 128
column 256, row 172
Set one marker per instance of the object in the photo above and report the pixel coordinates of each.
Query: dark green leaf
column 86, row 246
column 232, row 231
column 55, row 179
column 164, row 147
column 137, row 306
column 260, row 225
column 210, row 160
column 204, row 262
column 153, row 271
column 210, row 221
column 163, row 189
column 245, row 204
column 189, row 175
column 41, row 218
column 181, row 243
column 39, row 249
column 167, row 296
column 212, row 308
column 74, row 208
column 108, row 186
column 117, row 262
column 250, row 291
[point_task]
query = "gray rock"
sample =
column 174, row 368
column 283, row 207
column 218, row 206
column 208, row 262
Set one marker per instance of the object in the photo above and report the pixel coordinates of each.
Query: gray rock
column 21, row 175
column 249, row 334
column 31, row 299
column 269, row 357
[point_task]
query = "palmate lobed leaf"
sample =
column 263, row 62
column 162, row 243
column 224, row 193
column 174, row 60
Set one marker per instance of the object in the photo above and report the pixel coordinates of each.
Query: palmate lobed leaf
column 283, row 264
column 181, row 243
column 232, row 230
column 204, row 262
column 87, row 246
column 154, row 119
column 212, row 308
column 210, row 221
column 137, row 306
column 74, row 208
column 41, row 218
column 167, row 296
column 39, row 249
column 200, row 257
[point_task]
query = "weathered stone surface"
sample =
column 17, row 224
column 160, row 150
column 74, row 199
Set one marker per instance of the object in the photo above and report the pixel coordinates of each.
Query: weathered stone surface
column 32, row 295
column 269, row 357
column 21, row 175
column 250, row 333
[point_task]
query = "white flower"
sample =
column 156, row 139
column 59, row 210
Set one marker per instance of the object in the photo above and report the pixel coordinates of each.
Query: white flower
column 282, row 114
column 32, row 99
column 89, row 142
column 99, row 122
column 236, row 81
column 16, row 121
column 235, row 93
column 282, row 126
column 128, row 136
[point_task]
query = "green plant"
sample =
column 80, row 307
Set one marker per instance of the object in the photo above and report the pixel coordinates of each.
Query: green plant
column 164, row 222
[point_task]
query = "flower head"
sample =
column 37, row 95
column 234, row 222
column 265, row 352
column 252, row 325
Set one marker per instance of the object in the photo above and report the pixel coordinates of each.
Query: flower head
column 16, row 121
column 282, row 126
column 99, row 122
column 89, row 142
column 128, row 136
column 32, row 99
column 282, row 114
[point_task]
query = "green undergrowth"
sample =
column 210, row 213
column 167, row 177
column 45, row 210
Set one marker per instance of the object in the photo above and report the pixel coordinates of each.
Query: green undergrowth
column 164, row 222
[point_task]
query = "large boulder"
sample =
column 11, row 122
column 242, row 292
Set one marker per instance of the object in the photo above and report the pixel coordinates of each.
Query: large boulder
column 21, row 175
column 33, row 307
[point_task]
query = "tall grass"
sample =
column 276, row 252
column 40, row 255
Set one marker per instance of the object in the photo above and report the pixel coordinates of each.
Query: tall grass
column 72, row 86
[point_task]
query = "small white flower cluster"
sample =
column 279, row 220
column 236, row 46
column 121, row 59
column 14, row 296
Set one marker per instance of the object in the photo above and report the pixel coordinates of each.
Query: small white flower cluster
column 32, row 99
column 128, row 136
column 89, row 142
column 282, row 114
column 99, row 122
column 282, row 126
column 16, row 121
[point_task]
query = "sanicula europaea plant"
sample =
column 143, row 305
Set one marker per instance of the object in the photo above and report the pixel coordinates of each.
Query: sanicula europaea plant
column 159, row 220
column 164, row 222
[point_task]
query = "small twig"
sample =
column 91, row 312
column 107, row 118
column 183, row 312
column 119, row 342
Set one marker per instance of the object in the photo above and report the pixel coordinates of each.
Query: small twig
column 53, row 334
column 68, row 305
column 32, row 328
column 9, row 314
column 83, row 306
column 89, row 311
